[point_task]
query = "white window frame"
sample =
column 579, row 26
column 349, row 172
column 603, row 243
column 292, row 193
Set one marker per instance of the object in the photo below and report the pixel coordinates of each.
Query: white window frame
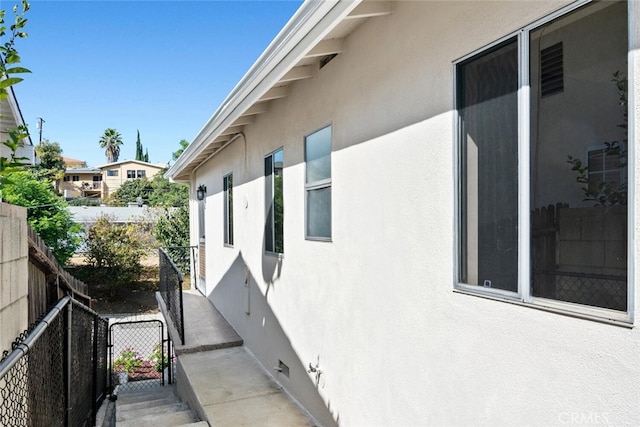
column 318, row 185
column 524, row 295
column 622, row 170
column 227, row 214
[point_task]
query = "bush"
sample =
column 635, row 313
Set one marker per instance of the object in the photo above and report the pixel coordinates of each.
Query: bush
column 115, row 251
column 172, row 231
column 127, row 361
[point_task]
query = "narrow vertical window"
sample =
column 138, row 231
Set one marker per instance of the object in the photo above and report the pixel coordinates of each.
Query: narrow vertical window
column 488, row 109
column 318, row 184
column 578, row 160
column 228, row 209
column 274, row 224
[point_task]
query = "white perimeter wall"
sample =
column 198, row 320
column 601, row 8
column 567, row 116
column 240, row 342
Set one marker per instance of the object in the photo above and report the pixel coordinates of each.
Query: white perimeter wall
column 375, row 308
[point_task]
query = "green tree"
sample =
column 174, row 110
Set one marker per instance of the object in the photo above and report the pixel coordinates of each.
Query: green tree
column 183, row 145
column 141, row 154
column 51, row 166
column 9, row 67
column 130, row 191
column 115, row 252
column 158, row 192
column 46, row 213
column 111, row 141
column 172, row 232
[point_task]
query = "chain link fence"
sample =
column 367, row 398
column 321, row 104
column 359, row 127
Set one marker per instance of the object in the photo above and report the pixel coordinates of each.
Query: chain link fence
column 140, row 355
column 55, row 374
column 596, row 290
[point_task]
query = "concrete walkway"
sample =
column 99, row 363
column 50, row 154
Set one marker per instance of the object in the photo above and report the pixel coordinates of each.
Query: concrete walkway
column 220, row 379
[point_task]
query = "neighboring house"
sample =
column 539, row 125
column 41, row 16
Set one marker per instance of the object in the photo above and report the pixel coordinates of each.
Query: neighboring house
column 72, row 163
column 10, row 118
column 102, row 181
column 375, row 216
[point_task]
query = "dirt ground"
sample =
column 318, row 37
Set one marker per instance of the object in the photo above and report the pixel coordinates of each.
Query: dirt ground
column 138, row 297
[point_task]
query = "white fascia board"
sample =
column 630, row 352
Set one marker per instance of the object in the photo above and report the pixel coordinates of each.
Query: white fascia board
column 314, row 20
column 17, row 114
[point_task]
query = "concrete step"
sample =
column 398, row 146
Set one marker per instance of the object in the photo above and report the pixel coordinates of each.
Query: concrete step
column 144, row 411
column 144, row 395
column 166, row 419
column 195, row 424
column 147, row 404
column 153, row 407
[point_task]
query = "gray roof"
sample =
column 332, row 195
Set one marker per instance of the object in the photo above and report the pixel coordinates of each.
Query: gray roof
column 83, row 170
column 89, row 214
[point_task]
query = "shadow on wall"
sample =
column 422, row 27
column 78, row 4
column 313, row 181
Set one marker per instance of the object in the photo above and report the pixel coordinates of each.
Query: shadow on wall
column 248, row 310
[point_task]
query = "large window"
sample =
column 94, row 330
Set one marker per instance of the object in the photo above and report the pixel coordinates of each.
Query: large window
column 542, row 180
column 227, row 182
column 317, row 153
column 274, row 224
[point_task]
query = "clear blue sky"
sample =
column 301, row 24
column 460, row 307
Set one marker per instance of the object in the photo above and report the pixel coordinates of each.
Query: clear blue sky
column 162, row 67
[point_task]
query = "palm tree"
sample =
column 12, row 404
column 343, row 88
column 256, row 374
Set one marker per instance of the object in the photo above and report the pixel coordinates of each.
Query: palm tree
column 111, row 142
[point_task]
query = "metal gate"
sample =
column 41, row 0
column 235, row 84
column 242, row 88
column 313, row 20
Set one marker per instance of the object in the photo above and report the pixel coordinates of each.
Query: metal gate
column 139, row 355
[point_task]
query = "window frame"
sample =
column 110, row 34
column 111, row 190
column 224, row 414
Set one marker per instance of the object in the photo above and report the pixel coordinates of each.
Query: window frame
column 271, row 203
column 318, row 185
column 524, row 295
column 622, row 170
column 131, row 174
column 227, row 205
column 112, row 172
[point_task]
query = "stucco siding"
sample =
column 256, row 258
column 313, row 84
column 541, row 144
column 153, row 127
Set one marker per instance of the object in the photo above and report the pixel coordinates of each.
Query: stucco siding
column 374, row 308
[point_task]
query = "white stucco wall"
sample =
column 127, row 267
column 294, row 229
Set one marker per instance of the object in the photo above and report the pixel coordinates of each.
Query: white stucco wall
column 375, row 308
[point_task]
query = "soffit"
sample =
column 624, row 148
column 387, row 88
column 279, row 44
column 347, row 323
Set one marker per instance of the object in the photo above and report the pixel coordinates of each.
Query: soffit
column 209, row 142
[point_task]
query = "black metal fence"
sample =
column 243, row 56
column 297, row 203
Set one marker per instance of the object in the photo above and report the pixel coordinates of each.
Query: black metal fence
column 171, row 291
column 56, row 372
column 140, row 355
column 183, row 257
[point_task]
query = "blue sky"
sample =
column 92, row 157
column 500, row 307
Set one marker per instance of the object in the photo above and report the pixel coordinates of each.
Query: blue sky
column 161, row 67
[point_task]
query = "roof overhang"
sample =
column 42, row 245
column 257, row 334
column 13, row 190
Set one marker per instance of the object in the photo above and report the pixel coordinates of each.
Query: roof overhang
column 316, row 31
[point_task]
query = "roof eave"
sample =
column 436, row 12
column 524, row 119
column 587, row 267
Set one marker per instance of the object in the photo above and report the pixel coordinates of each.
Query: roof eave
column 304, row 30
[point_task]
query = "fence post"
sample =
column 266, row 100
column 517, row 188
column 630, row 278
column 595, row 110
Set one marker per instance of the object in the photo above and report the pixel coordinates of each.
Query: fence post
column 67, row 374
column 94, row 385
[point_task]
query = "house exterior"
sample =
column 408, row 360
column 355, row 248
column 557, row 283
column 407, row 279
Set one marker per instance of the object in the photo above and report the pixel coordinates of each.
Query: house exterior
column 102, row 181
column 11, row 118
column 427, row 211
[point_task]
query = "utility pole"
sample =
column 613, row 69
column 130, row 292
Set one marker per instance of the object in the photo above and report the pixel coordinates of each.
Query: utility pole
column 39, row 126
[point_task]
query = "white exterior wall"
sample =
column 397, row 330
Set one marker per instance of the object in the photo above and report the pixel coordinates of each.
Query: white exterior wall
column 375, row 308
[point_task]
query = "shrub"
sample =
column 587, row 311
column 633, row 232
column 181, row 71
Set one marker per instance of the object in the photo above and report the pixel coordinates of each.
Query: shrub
column 127, row 361
column 115, row 252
